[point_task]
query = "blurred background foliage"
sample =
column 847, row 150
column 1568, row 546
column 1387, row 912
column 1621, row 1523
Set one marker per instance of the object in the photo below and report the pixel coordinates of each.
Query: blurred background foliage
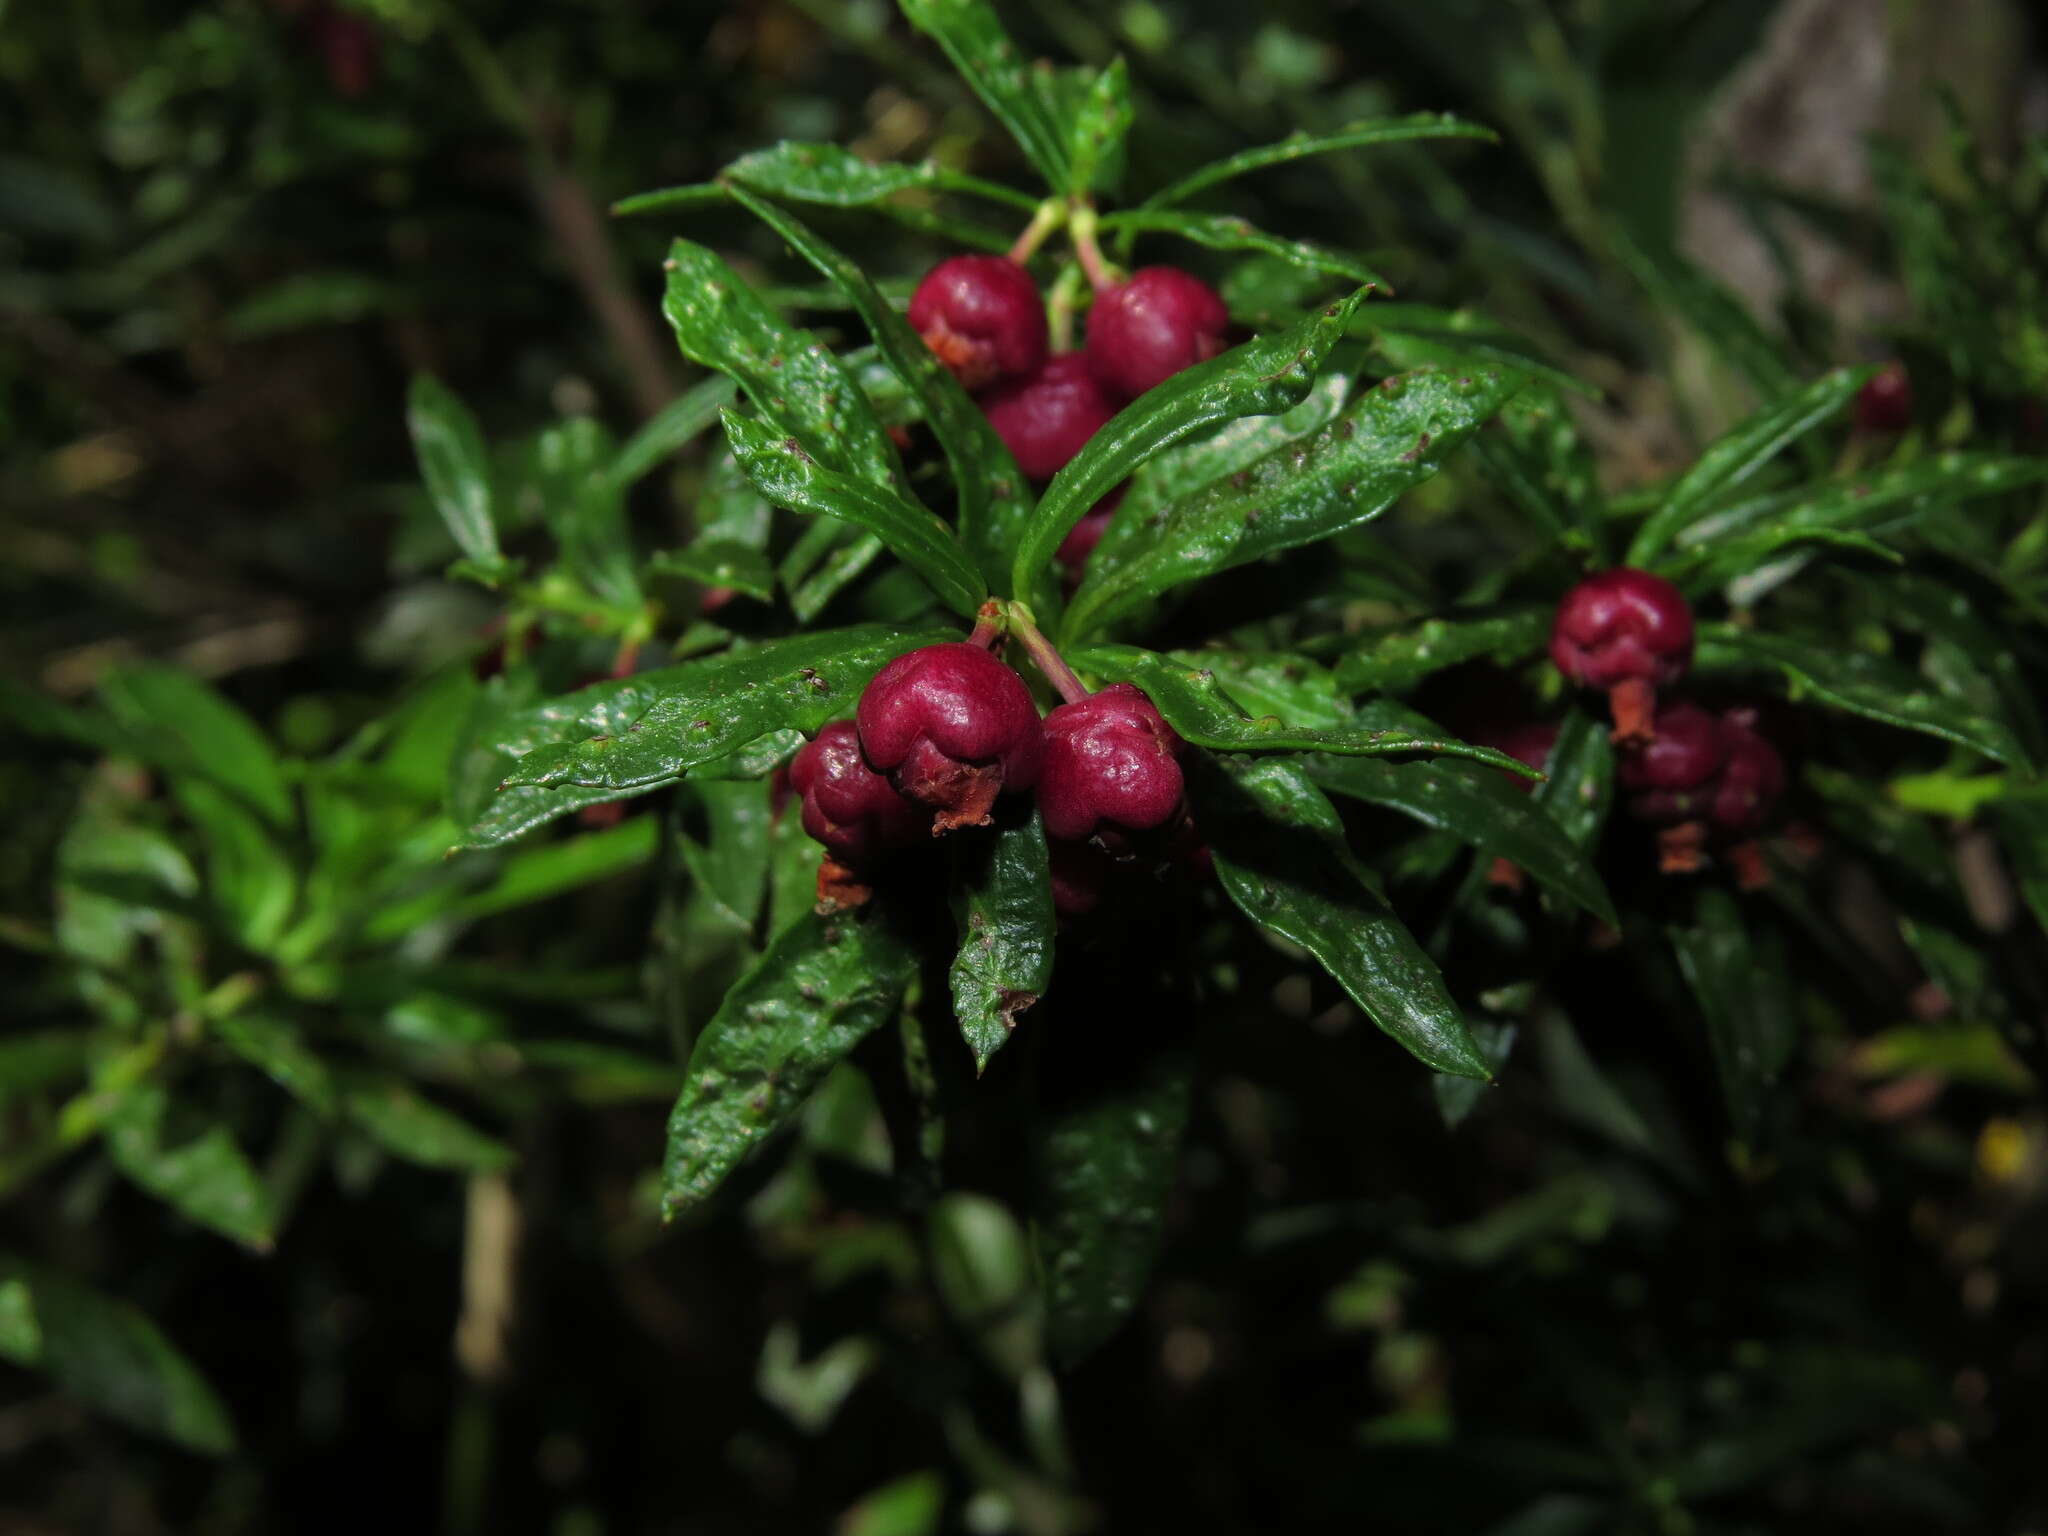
column 229, row 234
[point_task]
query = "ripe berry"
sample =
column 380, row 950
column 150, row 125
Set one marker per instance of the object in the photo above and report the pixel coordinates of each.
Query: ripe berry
column 1671, row 777
column 1111, row 768
column 1046, row 418
column 1751, row 779
column 983, row 317
column 1628, row 632
column 847, row 806
column 1885, row 403
column 952, row 727
column 1144, row 331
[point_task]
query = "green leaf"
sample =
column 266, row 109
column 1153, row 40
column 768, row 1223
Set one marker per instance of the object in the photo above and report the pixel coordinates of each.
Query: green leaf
column 275, row 1048
column 584, row 507
column 1236, row 445
column 1265, row 375
column 418, row 1130
column 635, row 734
column 1457, row 1097
column 1717, row 315
column 202, row 1174
column 1394, row 661
column 1300, row 145
column 791, row 376
column 909, row 1506
column 113, row 1358
column 827, row 174
column 1095, row 137
column 1414, row 336
column 1196, row 705
column 457, row 468
column 1280, row 853
column 1227, row 232
column 981, row 1265
column 31, row 1064
column 1003, row 901
column 1479, row 808
column 789, row 477
column 251, row 878
column 719, row 563
column 1740, row 453
column 674, row 427
column 994, row 499
column 308, row 299
column 1008, row 85
column 1579, row 789
column 1862, row 683
column 1278, row 683
column 1104, row 1158
column 1389, row 439
column 205, row 730
column 822, row 986
column 1750, row 1021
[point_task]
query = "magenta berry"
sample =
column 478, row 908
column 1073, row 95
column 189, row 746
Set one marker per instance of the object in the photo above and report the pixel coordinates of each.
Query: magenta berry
column 1045, row 419
column 1144, row 331
column 1751, row 779
column 1670, row 777
column 1111, row 768
column 1628, row 632
column 953, row 728
column 1885, row 402
column 851, row 809
column 983, row 318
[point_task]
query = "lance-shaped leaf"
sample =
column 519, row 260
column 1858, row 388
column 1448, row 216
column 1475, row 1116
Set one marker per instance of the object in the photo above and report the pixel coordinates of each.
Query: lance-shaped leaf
column 1389, row 439
column 1481, row 809
column 838, row 178
column 1862, row 683
column 1751, row 1023
column 1198, row 706
column 1397, row 660
column 1579, row 788
column 822, row 986
column 1236, row 445
column 1280, row 853
column 457, row 468
column 585, row 509
column 792, row 377
column 636, row 734
column 1719, row 317
column 1423, row 336
column 1226, row 232
column 994, row 499
column 1740, row 453
column 407, row 1125
column 1003, row 78
column 719, row 563
column 788, row 476
column 1262, row 377
column 1096, row 131
column 1300, row 145
column 1003, row 901
column 190, row 1164
column 672, row 428
column 276, row 1049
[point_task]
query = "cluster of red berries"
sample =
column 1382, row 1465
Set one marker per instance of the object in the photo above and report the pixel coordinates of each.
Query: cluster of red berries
column 983, row 317
column 943, row 731
column 1691, row 773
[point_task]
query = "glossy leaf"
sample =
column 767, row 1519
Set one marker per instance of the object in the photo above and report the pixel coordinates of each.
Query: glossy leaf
column 408, row 1126
column 825, row 173
column 457, row 468
column 1003, row 902
column 1300, row 145
column 1423, row 336
column 635, row 734
column 993, row 497
column 1280, row 853
column 1480, row 808
column 1095, row 135
column 1396, row 661
column 1457, row 1097
column 719, row 563
column 1579, row 789
column 821, row 987
column 1741, row 452
column 1538, row 460
column 1265, row 375
column 789, row 477
column 972, row 36
column 1227, row 232
column 1388, row 440
column 1197, row 705
column 791, row 376
column 110, row 1356
column 1862, row 683
column 189, row 1164
column 1236, row 445
column 1750, row 1021
column 1279, row 683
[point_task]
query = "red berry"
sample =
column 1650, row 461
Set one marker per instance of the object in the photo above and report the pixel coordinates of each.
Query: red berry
column 1750, row 781
column 952, row 727
column 847, row 806
column 1628, row 632
column 1047, row 418
column 983, row 317
column 1111, row 768
column 1144, row 331
column 1885, row 403
column 1671, row 777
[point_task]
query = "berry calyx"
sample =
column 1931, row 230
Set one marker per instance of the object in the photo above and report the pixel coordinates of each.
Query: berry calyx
column 1046, row 418
column 982, row 317
column 952, row 727
column 1885, row 402
column 1143, row 331
column 1630, row 633
column 853, row 810
column 1112, row 768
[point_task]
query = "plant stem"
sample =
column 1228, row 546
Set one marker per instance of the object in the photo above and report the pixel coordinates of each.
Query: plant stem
column 988, row 625
column 1050, row 215
column 1043, row 655
column 1060, row 307
column 1101, row 274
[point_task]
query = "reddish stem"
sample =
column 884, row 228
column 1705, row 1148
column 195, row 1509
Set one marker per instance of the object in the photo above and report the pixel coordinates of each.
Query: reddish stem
column 1048, row 660
column 988, row 625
